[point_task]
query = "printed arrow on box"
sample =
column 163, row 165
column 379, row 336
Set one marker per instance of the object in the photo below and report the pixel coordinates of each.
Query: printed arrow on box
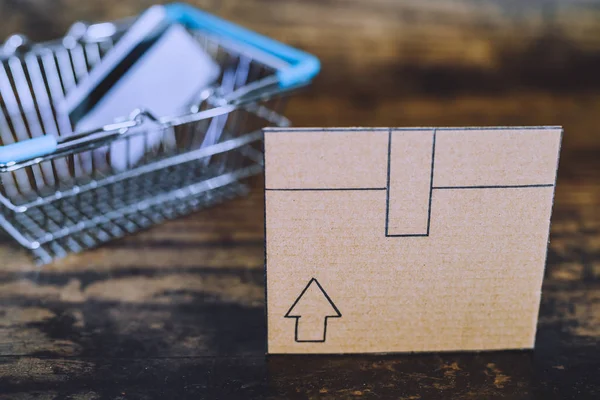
column 311, row 310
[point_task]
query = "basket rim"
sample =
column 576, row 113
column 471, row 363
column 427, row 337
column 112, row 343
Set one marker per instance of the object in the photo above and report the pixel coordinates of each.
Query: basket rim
column 262, row 112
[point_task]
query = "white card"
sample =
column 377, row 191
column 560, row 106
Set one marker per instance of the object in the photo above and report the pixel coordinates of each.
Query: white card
column 165, row 80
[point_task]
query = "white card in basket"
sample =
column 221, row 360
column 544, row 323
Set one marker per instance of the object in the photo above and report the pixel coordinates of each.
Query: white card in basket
column 164, row 80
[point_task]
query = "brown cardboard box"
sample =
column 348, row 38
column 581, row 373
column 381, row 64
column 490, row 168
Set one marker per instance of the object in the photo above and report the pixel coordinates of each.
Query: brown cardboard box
column 393, row 240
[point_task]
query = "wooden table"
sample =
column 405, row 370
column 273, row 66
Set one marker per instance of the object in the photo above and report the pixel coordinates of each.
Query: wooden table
column 178, row 311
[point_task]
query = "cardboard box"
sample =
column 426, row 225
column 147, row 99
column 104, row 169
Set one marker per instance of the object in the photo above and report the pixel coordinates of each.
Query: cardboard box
column 402, row 240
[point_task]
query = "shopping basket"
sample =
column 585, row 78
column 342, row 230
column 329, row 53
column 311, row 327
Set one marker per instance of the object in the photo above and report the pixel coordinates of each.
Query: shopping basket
column 53, row 207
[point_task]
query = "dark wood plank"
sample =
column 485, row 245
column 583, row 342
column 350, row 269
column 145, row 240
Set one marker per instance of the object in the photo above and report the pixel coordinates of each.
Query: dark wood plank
column 200, row 328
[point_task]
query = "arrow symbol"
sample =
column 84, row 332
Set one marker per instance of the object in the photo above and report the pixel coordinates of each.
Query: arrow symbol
column 312, row 309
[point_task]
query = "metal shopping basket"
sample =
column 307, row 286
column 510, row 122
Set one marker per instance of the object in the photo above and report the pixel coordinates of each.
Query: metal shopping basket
column 53, row 206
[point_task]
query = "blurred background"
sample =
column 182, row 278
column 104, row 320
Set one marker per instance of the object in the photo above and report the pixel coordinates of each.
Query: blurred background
column 407, row 62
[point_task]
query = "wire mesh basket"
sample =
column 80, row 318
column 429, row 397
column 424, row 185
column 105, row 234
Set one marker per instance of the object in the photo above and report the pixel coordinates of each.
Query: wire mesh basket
column 61, row 193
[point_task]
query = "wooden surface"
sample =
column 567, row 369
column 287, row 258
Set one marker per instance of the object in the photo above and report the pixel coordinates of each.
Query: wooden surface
column 178, row 311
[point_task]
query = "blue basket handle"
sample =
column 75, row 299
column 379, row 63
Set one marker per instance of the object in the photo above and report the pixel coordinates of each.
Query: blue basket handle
column 27, row 149
column 303, row 66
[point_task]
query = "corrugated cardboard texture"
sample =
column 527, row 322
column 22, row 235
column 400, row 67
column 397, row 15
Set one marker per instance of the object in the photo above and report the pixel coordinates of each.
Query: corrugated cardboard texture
column 397, row 240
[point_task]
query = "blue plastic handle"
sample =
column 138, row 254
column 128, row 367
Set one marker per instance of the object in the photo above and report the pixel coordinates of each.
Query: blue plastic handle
column 303, row 66
column 27, row 149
